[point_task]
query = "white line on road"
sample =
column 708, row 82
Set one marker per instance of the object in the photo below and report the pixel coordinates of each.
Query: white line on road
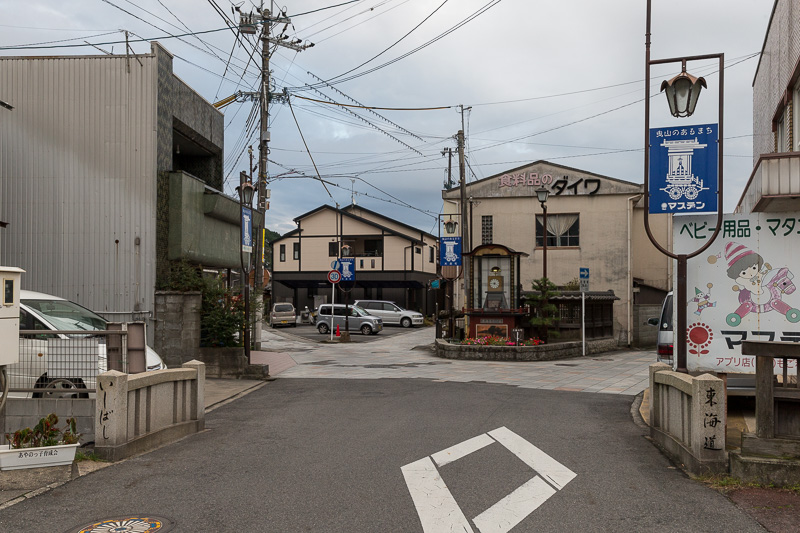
column 511, row 510
column 438, row 511
column 551, row 470
column 454, row 453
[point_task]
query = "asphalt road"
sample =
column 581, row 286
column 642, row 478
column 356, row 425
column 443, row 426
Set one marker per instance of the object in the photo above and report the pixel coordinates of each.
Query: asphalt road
column 326, row 455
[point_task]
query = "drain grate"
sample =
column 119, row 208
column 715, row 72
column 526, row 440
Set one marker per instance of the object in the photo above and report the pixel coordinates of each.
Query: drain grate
column 127, row 524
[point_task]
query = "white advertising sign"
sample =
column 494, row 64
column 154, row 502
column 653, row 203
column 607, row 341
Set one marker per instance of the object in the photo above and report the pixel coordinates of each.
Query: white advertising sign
column 740, row 288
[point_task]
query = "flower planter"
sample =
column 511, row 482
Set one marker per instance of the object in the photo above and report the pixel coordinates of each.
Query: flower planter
column 15, row 459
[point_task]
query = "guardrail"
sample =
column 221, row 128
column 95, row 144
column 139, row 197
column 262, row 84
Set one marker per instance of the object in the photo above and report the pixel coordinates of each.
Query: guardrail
column 136, row 413
column 687, row 418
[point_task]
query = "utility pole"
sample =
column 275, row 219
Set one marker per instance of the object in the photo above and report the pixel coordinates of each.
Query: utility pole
column 448, row 184
column 247, row 25
column 463, row 185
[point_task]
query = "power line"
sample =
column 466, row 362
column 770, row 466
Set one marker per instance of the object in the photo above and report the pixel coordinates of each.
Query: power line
column 327, row 7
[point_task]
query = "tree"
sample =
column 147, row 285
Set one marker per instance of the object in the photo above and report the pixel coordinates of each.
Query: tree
column 544, row 312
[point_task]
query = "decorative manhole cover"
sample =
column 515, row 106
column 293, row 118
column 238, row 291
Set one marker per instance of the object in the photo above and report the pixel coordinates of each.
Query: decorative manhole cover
column 127, row 524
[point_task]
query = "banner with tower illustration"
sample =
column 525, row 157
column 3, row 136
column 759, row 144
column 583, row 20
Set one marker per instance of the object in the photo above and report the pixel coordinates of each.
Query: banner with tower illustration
column 741, row 288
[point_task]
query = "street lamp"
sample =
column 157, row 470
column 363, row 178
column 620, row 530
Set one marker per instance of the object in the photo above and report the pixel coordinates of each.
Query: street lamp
column 682, row 92
column 246, row 191
column 541, row 195
column 450, row 229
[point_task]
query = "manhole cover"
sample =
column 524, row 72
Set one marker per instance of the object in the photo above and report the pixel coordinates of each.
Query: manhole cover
column 127, row 524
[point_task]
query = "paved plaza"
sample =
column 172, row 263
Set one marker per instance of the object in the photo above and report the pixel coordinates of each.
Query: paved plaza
column 410, row 355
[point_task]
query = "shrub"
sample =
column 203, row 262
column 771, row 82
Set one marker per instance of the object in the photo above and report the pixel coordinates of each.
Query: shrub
column 45, row 433
column 499, row 341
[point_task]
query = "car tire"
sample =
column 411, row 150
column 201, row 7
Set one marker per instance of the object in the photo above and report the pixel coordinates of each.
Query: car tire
column 366, row 329
column 405, row 322
column 294, row 325
column 59, row 388
column 323, row 328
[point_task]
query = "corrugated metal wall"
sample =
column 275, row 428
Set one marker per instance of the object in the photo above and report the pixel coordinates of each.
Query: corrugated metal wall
column 78, row 177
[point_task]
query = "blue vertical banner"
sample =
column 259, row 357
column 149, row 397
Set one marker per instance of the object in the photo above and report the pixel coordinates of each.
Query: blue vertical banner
column 247, row 229
column 347, row 266
column 683, row 169
column 450, row 251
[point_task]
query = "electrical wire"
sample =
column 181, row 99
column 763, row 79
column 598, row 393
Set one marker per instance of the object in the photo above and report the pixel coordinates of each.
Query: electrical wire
column 307, row 150
column 326, row 7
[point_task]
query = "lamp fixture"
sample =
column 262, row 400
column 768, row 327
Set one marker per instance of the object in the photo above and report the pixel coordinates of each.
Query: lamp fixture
column 542, row 194
column 682, row 92
column 450, row 226
column 246, row 192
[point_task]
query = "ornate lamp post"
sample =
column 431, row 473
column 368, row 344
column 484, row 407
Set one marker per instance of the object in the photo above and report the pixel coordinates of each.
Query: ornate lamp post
column 682, row 93
column 541, row 195
column 245, row 190
column 450, row 229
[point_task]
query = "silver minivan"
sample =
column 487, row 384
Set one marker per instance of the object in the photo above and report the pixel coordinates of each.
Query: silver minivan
column 358, row 320
column 391, row 313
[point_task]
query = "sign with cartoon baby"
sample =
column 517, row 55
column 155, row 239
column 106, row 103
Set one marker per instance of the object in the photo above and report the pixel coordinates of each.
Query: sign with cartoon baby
column 741, row 288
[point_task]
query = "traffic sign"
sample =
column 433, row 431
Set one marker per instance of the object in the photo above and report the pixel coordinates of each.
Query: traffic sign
column 585, row 285
column 683, row 169
column 348, row 268
column 584, row 273
column 334, row 276
column 336, row 265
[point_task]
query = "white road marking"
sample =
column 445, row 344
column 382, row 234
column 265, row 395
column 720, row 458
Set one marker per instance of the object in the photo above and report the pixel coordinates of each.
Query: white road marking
column 551, row 470
column 437, row 509
column 453, row 453
column 511, row 510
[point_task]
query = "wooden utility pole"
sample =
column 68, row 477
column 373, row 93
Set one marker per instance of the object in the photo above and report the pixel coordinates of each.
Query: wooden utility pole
column 463, row 186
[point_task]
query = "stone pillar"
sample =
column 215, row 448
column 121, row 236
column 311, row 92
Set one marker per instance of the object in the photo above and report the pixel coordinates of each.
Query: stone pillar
column 177, row 329
column 198, row 401
column 111, row 409
column 708, row 418
column 655, row 394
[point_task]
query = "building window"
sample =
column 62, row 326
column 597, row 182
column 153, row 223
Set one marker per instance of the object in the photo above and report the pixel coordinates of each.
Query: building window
column 373, row 247
column 417, row 250
column 283, row 253
column 562, row 230
column 431, row 254
column 486, row 229
column 780, row 133
column 333, row 249
column 296, row 251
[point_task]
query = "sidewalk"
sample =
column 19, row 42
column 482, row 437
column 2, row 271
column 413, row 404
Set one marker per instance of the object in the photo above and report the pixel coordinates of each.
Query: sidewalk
column 18, row 485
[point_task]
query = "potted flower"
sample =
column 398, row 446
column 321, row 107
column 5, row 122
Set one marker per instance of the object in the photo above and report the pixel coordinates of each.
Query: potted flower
column 44, row 445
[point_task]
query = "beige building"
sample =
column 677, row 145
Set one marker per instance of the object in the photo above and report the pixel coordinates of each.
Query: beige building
column 393, row 261
column 774, row 184
column 593, row 221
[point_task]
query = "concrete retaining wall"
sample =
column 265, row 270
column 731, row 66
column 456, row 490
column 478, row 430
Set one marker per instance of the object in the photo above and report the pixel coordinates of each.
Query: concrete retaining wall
column 177, row 319
column 22, row 413
column 543, row 352
column 687, row 418
column 136, row 413
column 643, row 333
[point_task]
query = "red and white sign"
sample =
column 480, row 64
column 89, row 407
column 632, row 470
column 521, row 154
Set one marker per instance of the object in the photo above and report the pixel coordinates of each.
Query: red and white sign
column 334, row 276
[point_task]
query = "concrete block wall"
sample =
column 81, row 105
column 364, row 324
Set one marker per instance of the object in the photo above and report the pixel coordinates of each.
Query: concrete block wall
column 643, row 333
column 543, row 352
column 20, row 413
column 177, row 326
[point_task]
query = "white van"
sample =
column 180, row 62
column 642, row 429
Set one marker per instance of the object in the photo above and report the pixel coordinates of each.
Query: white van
column 45, row 313
column 664, row 343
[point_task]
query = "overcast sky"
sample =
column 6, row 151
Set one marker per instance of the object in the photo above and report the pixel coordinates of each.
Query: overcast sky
column 560, row 81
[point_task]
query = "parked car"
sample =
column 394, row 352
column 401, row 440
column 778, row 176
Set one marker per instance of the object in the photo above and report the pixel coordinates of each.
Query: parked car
column 358, row 319
column 665, row 337
column 283, row 314
column 46, row 313
column 391, row 313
